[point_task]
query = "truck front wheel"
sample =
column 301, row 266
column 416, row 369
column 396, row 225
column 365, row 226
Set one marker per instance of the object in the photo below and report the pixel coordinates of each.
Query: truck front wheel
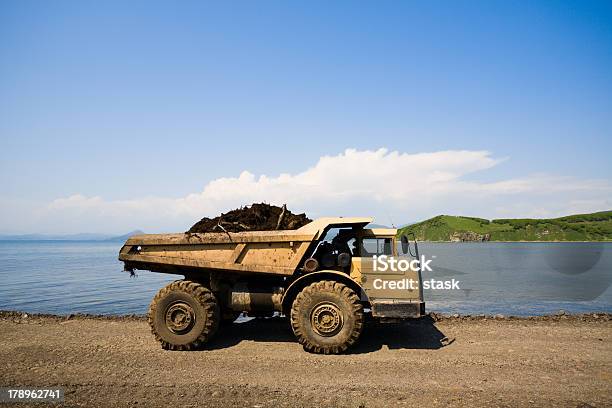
column 327, row 317
column 184, row 315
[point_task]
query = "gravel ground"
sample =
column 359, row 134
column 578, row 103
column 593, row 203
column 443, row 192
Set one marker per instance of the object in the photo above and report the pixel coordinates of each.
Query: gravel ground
column 562, row 361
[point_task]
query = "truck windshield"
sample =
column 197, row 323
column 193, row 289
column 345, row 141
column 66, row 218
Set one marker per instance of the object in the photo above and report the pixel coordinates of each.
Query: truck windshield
column 376, row 246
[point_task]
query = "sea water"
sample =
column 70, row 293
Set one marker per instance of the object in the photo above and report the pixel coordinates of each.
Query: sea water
column 64, row 277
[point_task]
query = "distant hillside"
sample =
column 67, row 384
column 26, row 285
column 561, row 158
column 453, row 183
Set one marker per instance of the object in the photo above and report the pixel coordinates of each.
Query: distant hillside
column 55, row 237
column 581, row 227
column 68, row 237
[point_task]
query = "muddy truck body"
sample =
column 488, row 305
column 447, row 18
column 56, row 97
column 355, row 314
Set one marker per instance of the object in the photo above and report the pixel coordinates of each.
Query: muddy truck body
column 321, row 276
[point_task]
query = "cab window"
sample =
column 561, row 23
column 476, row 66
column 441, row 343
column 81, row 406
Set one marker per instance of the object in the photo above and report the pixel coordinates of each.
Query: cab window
column 376, row 246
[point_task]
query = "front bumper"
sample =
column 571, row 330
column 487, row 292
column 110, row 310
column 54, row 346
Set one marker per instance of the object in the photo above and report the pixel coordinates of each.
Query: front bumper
column 396, row 309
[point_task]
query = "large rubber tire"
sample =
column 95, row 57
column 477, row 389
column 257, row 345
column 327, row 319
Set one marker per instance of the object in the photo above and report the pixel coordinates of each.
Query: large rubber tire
column 327, row 317
column 184, row 315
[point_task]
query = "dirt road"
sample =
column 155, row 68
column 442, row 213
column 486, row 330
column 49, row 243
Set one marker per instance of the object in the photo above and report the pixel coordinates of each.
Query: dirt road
column 115, row 362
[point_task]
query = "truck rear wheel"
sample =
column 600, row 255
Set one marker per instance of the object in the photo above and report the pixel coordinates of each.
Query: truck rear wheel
column 184, row 315
column 327, row 317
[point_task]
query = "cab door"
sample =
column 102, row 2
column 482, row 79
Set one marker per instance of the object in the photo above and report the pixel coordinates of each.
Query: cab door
column 383, row 284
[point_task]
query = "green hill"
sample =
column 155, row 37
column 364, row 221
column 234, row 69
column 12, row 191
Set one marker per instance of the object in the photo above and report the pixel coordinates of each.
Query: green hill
column 582, row 227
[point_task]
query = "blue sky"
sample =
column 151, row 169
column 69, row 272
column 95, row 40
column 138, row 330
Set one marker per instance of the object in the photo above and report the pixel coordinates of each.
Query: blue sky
column 128, row 107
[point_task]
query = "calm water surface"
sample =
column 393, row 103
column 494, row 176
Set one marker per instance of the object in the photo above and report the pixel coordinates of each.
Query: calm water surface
column 508, row 278
column 521, row 278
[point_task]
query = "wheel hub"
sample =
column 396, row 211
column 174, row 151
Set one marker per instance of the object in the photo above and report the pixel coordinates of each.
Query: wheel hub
column 326, row 319
column 180, row 317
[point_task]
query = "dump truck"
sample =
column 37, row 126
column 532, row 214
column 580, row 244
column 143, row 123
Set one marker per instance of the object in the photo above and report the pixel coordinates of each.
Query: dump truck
column 322, row 276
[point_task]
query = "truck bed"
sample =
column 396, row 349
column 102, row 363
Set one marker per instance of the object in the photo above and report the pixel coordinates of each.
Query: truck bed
column 272, row 252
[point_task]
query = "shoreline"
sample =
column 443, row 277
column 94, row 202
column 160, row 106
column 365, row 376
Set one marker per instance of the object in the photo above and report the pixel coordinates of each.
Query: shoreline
column 436, row 317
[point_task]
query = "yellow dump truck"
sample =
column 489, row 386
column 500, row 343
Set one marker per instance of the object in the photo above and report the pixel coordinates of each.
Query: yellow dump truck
column 323, row 276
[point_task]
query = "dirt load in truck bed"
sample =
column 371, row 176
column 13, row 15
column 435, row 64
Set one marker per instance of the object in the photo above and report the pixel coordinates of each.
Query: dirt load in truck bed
column 257, row 217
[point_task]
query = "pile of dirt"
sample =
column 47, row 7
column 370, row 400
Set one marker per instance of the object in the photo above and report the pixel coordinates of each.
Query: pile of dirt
column 257, row 217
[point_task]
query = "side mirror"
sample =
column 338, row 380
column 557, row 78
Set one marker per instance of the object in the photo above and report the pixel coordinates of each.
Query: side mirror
column 405, row 244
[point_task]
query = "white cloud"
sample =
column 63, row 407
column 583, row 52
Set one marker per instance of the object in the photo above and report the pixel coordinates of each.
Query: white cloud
column 386, row 184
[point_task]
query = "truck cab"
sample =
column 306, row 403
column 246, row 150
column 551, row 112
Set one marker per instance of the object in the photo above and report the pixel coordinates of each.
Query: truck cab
column 390, row 293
